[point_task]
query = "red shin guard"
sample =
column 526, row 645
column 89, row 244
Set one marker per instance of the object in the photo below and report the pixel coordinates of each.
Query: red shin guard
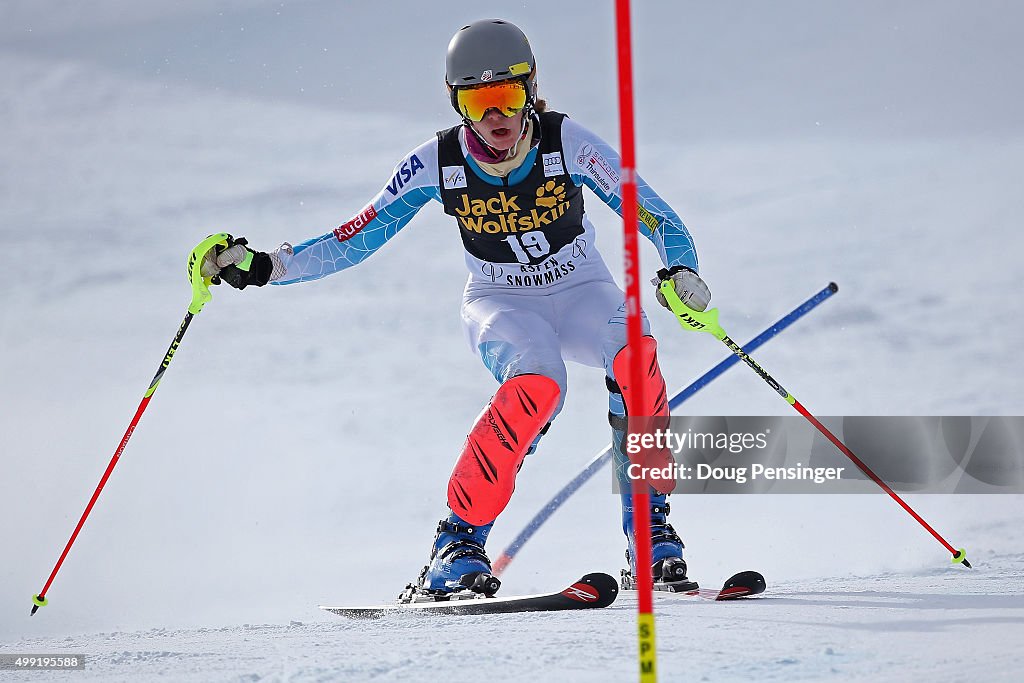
column 647, row 414
column 485, row 475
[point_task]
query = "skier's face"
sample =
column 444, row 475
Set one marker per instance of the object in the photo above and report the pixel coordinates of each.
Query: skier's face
column 499, row 131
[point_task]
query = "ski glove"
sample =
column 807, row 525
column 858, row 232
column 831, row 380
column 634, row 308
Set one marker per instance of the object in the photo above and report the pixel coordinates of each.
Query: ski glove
column 690, row 288
column 237, row 264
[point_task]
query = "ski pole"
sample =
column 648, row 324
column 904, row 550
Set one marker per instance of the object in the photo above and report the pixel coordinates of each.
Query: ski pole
column 707, row 321
column 602, row 458
column 200, row 296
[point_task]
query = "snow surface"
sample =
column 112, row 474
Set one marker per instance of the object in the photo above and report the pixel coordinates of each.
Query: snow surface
column 297, row 450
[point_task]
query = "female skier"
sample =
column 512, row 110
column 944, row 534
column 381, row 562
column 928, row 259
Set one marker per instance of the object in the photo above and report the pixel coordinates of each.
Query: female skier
column 512, row 174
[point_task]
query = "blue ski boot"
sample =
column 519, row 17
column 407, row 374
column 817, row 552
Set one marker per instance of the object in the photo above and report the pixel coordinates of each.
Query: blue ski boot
column 458, row 561
column 667, row 564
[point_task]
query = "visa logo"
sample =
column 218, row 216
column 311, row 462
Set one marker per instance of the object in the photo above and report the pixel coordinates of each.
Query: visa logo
column 404, row 174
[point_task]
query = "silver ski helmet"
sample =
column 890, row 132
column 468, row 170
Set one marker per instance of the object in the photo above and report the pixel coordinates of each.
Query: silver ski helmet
column 488, row 51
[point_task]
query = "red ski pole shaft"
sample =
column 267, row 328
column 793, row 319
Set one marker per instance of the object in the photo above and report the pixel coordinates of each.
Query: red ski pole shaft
column 707, row 321
column 200, row 297
column 39, row 600
column 874, row 477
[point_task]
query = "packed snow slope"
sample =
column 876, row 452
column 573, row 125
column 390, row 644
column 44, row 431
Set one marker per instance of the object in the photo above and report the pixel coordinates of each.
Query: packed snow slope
column 297, row 451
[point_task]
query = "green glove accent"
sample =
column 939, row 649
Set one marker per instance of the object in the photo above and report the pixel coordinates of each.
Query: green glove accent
column 246, row 263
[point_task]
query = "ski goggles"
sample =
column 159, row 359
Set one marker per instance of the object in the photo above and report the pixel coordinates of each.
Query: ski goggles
column 508, row 97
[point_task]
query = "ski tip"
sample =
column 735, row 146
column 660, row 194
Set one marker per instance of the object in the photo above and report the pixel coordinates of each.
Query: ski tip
column 834, row 287
column 596, row 590
column 742, row 585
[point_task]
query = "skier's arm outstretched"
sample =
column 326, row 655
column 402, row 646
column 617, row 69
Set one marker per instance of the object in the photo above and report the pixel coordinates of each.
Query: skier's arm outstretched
column 413, row 183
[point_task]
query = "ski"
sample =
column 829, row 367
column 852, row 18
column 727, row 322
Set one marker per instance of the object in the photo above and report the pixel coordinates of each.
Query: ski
column 743, row 585
column 590, row 592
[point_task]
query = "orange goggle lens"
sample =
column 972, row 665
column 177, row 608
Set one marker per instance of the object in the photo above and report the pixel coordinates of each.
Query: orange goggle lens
column 508, row 97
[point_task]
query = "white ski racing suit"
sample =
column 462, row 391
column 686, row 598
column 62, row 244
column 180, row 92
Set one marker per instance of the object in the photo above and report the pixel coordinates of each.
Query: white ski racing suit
column 538, row 292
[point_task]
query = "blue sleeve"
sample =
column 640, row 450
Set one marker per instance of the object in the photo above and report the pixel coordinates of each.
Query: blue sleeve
column 413, row 184
column 594, row 163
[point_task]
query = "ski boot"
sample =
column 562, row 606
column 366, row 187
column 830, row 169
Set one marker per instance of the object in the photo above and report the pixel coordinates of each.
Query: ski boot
column 668, row 566
column 458, row 568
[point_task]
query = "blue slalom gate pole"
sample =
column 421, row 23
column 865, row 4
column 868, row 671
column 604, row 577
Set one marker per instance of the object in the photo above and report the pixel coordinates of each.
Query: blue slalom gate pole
column 602, row 458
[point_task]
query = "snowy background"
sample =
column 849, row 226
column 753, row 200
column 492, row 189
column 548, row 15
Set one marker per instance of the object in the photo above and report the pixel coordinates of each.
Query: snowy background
column 298, row 449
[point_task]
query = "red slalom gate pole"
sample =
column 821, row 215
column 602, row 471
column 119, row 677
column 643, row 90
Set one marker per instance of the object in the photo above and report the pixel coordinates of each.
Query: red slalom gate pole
column 646, row 652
